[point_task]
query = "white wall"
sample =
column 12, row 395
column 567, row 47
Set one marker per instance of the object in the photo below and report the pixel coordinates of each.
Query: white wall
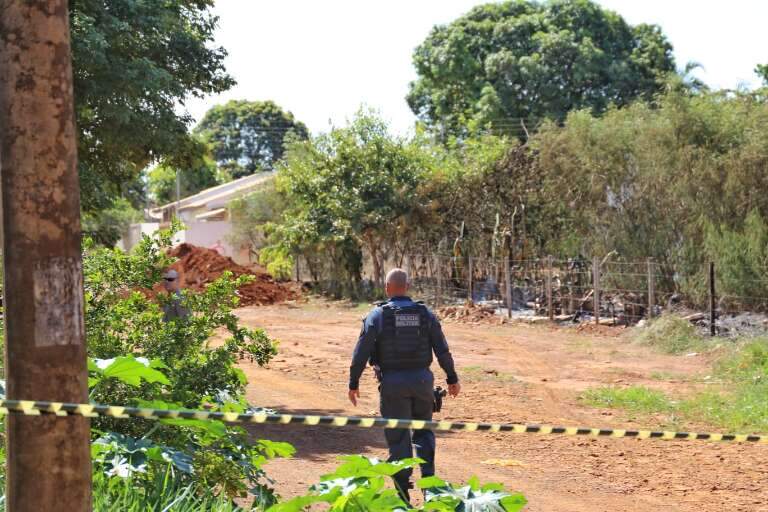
column 211, row 234
column 134, row 234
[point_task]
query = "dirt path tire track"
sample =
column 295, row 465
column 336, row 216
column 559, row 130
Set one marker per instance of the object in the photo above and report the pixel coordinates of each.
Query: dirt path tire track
column 538, row 374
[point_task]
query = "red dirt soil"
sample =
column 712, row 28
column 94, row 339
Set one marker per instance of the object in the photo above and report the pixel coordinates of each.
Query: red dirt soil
column 199, row 266
column 510, row 373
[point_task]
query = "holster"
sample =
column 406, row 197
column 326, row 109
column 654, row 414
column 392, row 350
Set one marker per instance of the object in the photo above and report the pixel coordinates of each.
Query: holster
column 440, row 393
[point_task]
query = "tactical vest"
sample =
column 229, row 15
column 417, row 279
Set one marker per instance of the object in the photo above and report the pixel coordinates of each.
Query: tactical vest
column 403, row 343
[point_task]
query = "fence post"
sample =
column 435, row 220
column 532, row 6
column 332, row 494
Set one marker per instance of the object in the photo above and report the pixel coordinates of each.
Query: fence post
column 712, row 328
column 550, row 309
column 469, row 280
column 596, row 287
column 508, row 290
column 651, row 289
column 439, row 291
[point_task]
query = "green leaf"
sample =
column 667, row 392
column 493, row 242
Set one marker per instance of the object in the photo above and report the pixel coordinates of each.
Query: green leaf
column 302, row 502
column 474, row 483
column 241, row 378
column 430, row 482
column 131, row 371
column 274, row 449
column 513, row 503
column 213, row 427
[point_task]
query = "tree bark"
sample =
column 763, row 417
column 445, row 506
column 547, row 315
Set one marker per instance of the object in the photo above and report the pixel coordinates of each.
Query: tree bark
column 48, row 457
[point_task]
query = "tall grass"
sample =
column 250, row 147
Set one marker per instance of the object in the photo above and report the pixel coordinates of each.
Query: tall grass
column 671, row 334
column 161, row 494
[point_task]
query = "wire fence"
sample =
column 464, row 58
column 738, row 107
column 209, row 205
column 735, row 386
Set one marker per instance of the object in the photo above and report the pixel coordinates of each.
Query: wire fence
column 598, row 290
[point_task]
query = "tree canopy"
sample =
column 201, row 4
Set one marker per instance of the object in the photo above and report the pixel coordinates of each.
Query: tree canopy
column 522, row 59
column 248, row 136
column 354, row 187
column 202, row 174
column 134, row 63
column 762, row 70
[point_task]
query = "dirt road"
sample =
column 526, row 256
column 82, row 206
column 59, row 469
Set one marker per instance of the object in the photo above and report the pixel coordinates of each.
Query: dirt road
column 509, row 374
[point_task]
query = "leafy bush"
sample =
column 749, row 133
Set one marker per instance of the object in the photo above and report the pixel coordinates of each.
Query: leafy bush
column 740, row 257
column 140, row 359
column 670, row 333
column 359, row 485
column 161, row 493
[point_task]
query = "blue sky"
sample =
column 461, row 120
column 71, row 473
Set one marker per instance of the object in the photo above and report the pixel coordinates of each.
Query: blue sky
column 323, row 59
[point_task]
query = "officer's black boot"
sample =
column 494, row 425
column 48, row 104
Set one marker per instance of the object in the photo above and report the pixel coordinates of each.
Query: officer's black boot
column 403, row 485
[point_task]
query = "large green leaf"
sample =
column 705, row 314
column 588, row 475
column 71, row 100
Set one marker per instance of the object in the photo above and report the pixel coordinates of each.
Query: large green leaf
column 130, row 370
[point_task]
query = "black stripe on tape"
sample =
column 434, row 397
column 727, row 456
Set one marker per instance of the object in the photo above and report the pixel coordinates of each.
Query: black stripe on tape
column 45, row 407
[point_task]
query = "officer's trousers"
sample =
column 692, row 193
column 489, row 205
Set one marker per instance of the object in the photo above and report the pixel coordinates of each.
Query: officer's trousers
column 408, row 394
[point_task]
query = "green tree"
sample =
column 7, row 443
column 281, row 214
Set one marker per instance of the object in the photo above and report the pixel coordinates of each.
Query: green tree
column 355, row 187
column 134, row 63
column 251, row 214
column 201, row 174
column 524, row 60
column 105, row 227
column 762, row 70
column 248, row 136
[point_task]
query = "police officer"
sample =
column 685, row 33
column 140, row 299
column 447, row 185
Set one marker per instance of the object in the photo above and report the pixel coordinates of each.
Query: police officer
column 399, row 337
column 173, row 308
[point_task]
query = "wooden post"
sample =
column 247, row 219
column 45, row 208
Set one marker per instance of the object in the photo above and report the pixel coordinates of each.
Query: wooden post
column 596, row 287
column 48, row 456
column 651, row 288
column 712, row 309
column 439, row 291
column 550, row 308
column 508, row 291
column 470, row 273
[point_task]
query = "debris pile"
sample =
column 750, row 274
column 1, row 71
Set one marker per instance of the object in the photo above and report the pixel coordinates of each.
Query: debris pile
column 469, row 313
column 199, row 266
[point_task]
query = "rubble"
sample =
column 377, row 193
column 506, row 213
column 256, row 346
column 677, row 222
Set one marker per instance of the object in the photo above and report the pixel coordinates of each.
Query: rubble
column 199, row 266
column 469, row 313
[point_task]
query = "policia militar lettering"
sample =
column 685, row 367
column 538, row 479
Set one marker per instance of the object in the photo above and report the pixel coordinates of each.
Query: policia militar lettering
column 398, row 338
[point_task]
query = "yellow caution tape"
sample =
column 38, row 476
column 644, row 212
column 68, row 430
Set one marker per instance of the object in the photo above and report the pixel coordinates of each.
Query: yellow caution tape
column 37, row 408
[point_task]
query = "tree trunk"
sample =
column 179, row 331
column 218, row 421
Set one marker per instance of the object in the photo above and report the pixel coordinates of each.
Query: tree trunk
column 49, row 463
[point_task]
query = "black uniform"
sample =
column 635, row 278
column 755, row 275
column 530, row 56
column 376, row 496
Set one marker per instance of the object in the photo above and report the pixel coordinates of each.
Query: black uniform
column 400, row 337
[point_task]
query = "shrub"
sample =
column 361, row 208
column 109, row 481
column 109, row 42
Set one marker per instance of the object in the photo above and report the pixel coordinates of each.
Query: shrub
column 670, row 333
column 359, row 484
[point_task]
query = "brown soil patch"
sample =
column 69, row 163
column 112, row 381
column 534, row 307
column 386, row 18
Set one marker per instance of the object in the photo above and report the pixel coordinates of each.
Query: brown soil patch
column 510, row 373
column 200, row 266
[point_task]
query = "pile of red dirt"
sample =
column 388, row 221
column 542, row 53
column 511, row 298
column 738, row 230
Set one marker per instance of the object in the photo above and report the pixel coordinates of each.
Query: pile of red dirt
column 199, row 266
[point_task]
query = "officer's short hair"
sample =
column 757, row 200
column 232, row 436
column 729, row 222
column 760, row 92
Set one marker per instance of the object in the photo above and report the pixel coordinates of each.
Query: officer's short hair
column 397, row 277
